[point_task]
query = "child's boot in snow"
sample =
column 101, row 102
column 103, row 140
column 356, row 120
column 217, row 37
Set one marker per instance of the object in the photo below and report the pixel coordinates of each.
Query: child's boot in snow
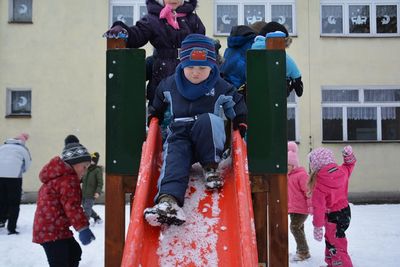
column 166, row 211
column 212, row 177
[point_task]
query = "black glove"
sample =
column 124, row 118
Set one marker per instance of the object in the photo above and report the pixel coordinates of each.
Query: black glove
column 297, row 85
column 154, row 114
column 240, row 123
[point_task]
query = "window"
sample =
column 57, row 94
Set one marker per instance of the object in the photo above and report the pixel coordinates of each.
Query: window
column 229, row 13
column 371, row 18
column 292, row 117
column 20, row 11
column 19, row 102
column 127, row 11
column 361, row 114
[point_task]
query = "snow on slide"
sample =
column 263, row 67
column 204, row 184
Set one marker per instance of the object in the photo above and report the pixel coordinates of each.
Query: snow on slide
column 219, row 228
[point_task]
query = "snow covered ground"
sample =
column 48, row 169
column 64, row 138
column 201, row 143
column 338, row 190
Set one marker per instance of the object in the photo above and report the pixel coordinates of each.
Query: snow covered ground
column 374, row 237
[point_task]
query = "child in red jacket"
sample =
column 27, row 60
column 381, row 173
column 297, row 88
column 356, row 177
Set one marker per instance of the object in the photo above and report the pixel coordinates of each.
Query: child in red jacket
column 299, row 203
column 329, row 184
column 59, row 206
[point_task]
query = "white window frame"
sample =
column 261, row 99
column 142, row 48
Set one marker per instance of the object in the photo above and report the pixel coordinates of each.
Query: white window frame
column 372, row 8
column 296, row 116
column 12, row 19
column 8, row 105
column 358, row 104
column 242, row 3
column 136, row 4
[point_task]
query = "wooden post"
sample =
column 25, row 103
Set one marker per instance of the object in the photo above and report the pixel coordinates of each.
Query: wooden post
column 125, row 134
column 267, row 150
column 117, row 187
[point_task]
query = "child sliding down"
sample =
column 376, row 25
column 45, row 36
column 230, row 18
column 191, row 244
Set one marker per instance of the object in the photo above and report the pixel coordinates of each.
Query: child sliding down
column 195, row 96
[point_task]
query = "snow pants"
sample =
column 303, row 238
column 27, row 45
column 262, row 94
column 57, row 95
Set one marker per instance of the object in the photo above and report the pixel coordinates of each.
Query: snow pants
column 297, row 229
column 10, row 200
column 87, row 204
column 201, row 140
column 335, row 238
column 63, row 252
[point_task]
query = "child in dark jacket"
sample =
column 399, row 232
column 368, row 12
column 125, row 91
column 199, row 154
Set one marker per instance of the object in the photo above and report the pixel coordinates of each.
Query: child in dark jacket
column 92, row 185
column 165, row 26
column 196, row 96
column 59, row 206
column 329, row 184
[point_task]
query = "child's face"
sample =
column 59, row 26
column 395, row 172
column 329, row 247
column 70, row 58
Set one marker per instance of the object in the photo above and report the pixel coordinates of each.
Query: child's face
column 81, row 168
column 173, row 3
column 197, row 74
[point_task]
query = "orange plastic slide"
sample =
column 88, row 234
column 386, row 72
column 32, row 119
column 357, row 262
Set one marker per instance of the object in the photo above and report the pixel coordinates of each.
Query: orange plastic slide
column 219, row 228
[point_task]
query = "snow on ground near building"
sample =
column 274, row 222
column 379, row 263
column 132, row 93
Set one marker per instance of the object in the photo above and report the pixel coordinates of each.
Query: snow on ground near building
column 374, row 236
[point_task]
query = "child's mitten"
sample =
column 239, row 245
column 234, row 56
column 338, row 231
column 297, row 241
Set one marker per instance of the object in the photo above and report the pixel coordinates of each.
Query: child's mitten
column 318, row 233
column 86, row 236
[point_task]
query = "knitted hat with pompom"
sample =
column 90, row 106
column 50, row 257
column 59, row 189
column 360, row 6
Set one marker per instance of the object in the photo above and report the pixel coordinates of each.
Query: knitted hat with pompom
column 320, row 157
column 73, row 152
column 293, row 158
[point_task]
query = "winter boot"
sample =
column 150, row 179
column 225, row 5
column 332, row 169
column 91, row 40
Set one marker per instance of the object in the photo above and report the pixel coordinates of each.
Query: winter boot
column 166, row 211
column 97, row 220
column 13, row 232
column 212, row 177
column 301, row 256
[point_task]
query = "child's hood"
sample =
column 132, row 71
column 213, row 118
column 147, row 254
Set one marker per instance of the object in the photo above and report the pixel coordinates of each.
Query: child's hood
column 188, row 7
column 331, row 177
column 54, row 169
column 241, row 35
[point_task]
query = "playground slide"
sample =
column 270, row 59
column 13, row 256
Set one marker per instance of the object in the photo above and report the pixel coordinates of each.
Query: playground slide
column 219, row 228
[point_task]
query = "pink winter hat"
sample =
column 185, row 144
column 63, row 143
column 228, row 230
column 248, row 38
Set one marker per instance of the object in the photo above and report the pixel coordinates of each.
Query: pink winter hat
column 320, row 157
column 292, row 157
column 23, row 137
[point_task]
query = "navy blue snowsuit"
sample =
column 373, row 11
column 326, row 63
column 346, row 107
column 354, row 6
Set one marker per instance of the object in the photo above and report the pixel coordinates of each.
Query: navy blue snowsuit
column 196, row 132
column 164, row 38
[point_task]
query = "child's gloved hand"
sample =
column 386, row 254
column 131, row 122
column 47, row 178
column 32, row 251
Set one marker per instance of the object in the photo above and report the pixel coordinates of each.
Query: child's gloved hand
column 297, row 85
column 86, row 236
column 318, row 233
column 348, row 155
column 116, row 32
column 240, row 124
column 347, row 151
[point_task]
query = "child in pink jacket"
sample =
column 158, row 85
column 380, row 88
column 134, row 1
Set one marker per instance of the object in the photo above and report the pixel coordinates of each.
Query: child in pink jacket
column 299, row 203
column 329, row 184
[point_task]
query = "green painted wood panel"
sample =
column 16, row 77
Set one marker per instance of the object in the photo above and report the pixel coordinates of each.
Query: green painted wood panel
column 267, row 120
column 125, row 110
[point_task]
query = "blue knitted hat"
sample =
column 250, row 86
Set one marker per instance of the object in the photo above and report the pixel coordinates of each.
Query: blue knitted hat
column 197, row 50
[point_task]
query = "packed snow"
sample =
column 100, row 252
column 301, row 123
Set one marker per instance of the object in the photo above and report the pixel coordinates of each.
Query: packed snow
column 373, row 236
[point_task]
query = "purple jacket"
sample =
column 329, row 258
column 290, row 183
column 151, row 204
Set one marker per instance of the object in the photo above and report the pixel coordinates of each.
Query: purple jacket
column 331, row 190
column 165, row 39
column 298, row 202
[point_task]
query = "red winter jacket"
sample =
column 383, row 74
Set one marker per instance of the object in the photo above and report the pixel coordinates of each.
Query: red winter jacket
column 58, row 203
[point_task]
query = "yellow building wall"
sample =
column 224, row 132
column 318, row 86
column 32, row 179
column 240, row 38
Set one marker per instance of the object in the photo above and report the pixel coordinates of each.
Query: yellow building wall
column 61, row 57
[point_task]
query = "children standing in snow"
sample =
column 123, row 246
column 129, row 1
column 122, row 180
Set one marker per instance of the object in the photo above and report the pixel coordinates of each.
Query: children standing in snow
column 92, row 185
column 165, row 26
column 299, row 204
column 195, row 95
column 59, row 206
column 329, row 184
column 293, row 74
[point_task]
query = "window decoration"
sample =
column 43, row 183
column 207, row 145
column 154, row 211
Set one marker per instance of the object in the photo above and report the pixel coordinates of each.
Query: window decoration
column 21, row 11
column 19, row 102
